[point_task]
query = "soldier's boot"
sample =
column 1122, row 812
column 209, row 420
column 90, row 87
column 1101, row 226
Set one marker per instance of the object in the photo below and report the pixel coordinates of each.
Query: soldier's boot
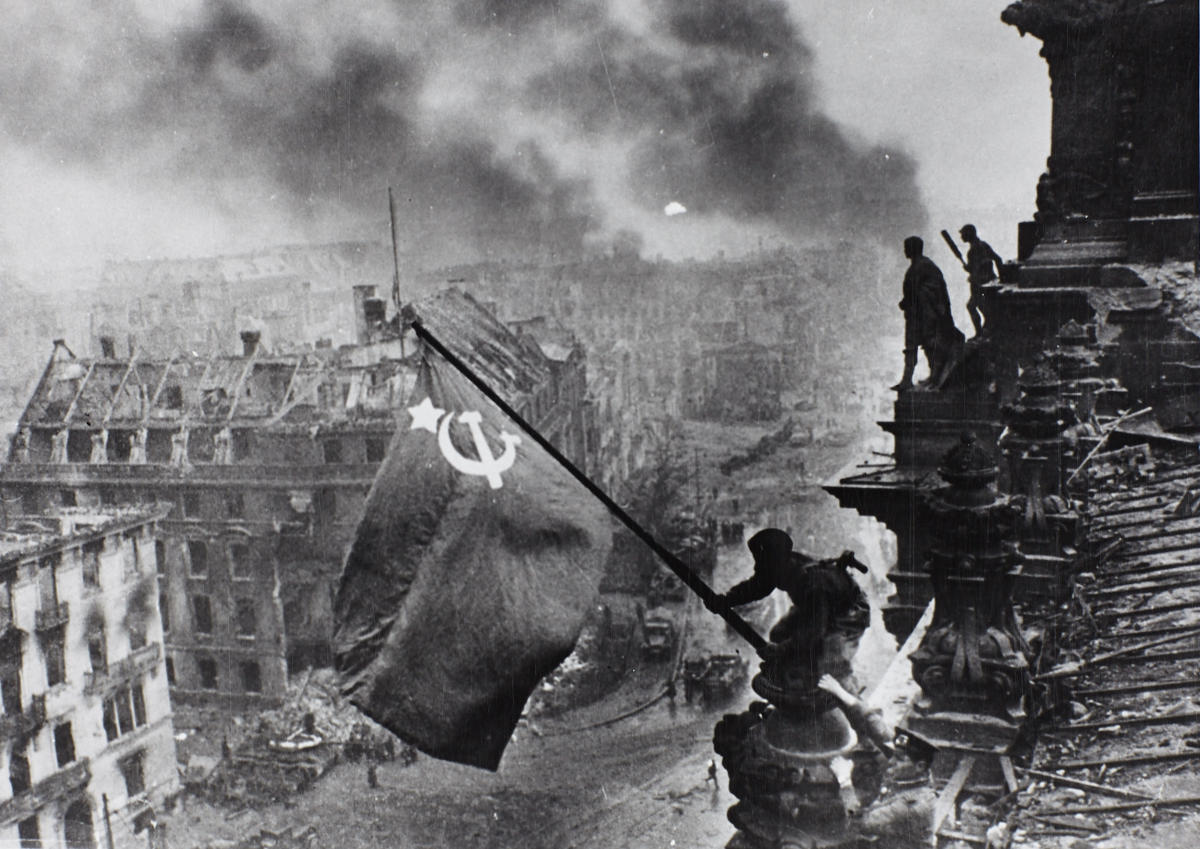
column 910, row 365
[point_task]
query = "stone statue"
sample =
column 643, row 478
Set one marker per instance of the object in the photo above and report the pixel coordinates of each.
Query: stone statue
column 58, row 446
column 99, row 447
column 137, row 446
column 223, row 447
column 19, row 447
column 179, row 447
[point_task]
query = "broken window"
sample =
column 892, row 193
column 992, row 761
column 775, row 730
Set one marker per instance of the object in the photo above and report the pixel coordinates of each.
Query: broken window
column 5, row 604
column 197, row 559
column 18, row 770
column 10, row 690
column 191, row 504
column 64, row 744
column 160, row 557
column 133, row 562
column 158, row 445
column 79, row 446
column 139, row 705
column 27, row 833
column 201, row 448
column 164, row 612
column 91, row 563
column 173, row 397
column 235, row 505
column 124, row 712
column 97, row 654
column 137, row 635
column 67, row 497
column 47, row 582
column 170, row 670
column 333, row 450
column 110, row 719
column 133, row 769
column 245, row 618
column 119, row 444
column 251, row 677
column 376, row 450
column 55, row 653
column 239, row 563
column 202, row 614
column 207, row 667
column 243, row 444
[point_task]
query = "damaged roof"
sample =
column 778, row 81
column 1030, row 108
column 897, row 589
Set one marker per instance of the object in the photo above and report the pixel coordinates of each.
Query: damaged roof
column 260, row 389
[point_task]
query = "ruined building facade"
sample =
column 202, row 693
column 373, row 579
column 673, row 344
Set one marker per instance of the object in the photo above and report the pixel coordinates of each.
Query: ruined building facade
column 263, row 462
column 88, row 745
column 1099, row 308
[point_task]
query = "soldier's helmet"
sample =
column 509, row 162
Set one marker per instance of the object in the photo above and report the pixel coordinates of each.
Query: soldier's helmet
column 967, row 231
column 770, row 545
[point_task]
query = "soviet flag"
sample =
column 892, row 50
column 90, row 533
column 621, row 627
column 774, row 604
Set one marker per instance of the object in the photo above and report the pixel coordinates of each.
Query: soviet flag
column 474, row 564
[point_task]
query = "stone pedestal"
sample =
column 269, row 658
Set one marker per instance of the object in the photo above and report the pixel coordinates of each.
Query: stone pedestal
column 972, row 665
column 791, row 760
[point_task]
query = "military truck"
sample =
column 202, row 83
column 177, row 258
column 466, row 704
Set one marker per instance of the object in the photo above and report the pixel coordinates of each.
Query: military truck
column 658, row 638
column 713, row 678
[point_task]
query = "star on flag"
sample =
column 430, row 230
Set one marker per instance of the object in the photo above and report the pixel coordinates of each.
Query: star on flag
column 425, row 416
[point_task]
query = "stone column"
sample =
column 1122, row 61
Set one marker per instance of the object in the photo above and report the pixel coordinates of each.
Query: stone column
column 99, row 447
column 972, row 666
column 1034, row 444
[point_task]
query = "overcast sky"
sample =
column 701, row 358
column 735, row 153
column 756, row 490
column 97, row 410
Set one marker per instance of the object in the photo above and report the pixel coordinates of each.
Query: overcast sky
column 143, row 128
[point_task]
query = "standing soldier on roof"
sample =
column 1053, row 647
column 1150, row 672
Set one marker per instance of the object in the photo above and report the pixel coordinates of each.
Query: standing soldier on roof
column 979, row 267
column 928, row 324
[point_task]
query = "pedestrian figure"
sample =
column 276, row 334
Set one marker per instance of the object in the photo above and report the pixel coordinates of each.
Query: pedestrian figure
column 372, row 775
column 712, row 775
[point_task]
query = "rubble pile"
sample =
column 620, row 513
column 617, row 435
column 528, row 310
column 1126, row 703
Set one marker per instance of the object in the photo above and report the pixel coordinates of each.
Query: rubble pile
column 296, row 743
column 313, row 705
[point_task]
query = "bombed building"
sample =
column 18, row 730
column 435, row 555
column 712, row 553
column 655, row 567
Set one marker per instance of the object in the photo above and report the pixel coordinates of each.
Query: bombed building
column 88, row 743
column 263, row 462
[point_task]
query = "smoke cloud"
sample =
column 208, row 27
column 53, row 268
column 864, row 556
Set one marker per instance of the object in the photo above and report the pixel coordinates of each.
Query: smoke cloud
column 507, row 128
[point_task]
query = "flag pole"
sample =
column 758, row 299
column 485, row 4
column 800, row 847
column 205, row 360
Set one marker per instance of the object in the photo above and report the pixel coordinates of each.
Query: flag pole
column 681, row 569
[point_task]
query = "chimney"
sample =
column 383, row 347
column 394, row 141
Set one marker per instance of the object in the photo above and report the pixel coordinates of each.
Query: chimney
column 250, row 340
column 108, row 348
column 375, row 311
column 362, row 328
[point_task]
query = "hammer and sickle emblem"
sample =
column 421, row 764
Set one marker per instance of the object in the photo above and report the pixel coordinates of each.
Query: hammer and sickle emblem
column 488, row 465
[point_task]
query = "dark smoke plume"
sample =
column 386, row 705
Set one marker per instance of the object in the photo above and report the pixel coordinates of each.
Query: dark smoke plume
column 518, row 128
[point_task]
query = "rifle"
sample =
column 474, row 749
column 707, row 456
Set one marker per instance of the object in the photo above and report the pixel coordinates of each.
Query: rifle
column 954, row 249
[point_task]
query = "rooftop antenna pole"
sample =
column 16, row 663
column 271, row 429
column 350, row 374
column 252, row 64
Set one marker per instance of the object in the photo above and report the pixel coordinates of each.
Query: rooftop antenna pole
column 395, row 261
